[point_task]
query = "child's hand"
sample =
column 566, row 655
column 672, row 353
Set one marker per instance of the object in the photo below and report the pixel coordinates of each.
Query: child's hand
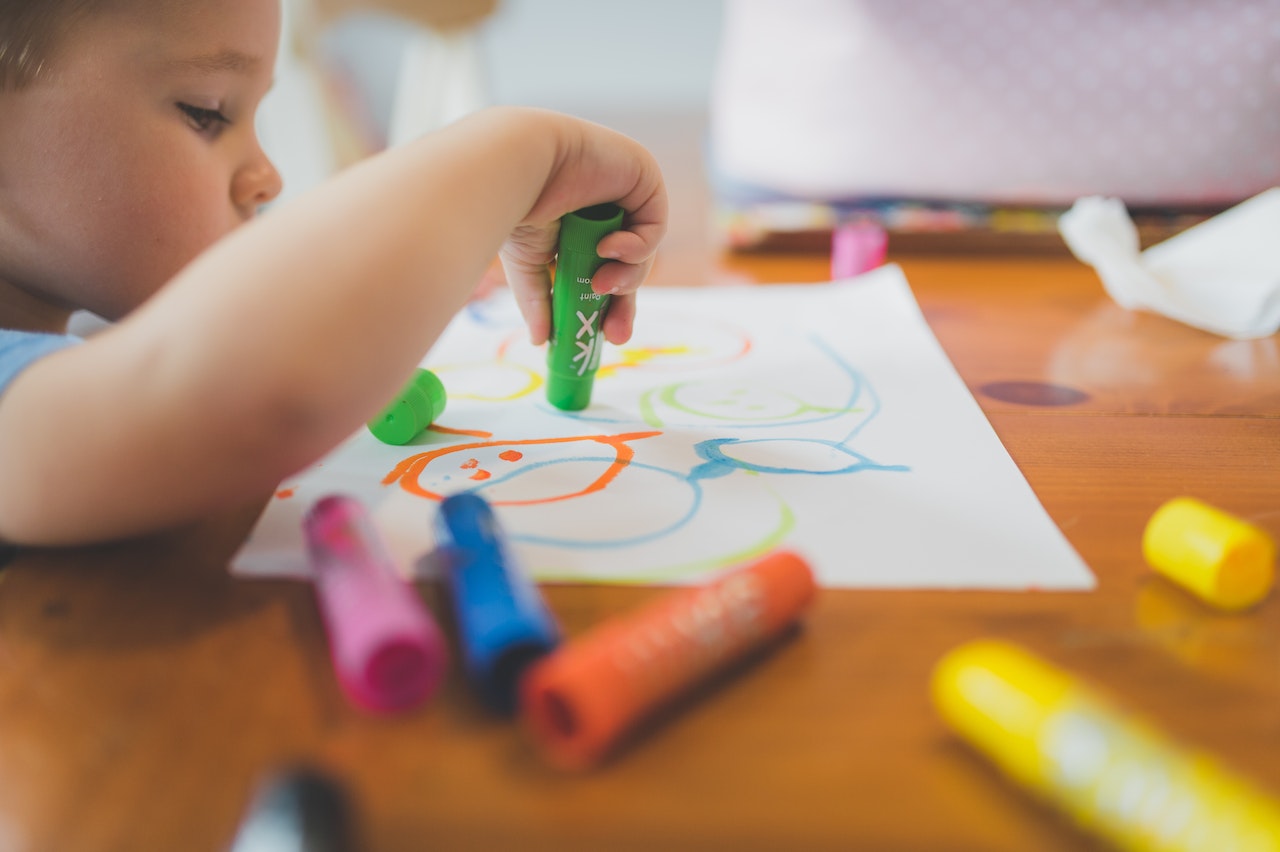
column 594, row 165
column 293, row 330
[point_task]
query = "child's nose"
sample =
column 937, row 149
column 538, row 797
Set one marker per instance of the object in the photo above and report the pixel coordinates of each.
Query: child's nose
column 255, row 183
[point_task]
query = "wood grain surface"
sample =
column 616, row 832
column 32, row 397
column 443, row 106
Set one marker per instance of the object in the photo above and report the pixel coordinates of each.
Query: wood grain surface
column 144, row 693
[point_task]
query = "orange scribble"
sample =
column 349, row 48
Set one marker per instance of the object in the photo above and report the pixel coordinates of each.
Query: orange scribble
column 505, row 346
column 481, row 475
column 286, row 493
column 469, row 464
column 511, row 455
column 408, row 470
column 445, row 430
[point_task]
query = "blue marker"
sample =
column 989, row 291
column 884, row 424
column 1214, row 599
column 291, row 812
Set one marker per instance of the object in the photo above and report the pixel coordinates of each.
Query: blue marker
column 502, row 622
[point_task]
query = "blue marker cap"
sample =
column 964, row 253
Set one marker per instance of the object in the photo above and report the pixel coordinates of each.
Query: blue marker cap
column 502, row 622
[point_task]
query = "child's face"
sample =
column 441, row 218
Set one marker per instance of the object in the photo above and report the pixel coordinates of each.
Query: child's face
column 137, row 152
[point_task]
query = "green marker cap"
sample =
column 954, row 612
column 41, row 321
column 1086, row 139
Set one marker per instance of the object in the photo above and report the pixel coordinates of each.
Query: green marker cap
column 417, row 406
column 569, row 393
column 582, row 230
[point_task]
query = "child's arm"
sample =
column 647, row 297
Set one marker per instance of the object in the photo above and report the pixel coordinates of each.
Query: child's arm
column 278, row 342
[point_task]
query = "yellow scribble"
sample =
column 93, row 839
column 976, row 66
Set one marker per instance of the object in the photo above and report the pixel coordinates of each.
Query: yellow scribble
column 639, row 356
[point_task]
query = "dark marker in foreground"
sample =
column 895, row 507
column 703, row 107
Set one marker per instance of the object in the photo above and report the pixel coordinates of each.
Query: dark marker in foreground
column 300, row 810
column 503, row 624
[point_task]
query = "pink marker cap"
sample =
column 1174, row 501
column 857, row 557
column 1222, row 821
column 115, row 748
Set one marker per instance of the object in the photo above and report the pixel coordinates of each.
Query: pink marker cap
column 387, row 650
column 857, row 247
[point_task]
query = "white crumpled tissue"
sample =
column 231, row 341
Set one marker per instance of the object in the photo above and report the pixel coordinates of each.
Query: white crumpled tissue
column 1222, row 275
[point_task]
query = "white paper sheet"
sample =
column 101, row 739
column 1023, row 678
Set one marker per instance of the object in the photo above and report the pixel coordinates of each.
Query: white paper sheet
column 824, row 418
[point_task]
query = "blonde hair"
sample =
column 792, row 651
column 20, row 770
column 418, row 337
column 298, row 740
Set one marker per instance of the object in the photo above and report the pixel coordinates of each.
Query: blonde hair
column 29, row 36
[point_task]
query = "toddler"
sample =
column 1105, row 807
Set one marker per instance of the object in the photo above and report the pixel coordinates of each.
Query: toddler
column 243, row 348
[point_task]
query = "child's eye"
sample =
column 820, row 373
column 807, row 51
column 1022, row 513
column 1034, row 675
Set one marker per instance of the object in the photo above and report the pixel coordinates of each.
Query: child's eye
column 204, row 120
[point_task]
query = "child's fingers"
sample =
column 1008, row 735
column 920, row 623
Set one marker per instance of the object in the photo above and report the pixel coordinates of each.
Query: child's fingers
column 634, row 245
column 524, row 257
column 633, row 249
column 530, row 283
column 630, row 252
column 619, row 319
column 613, row 279
column 646, row 220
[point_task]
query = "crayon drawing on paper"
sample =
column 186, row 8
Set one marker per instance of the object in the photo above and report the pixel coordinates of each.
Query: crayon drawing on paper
column 821, row 418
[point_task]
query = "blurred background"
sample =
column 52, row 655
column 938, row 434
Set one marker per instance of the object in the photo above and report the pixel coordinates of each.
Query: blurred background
column 955, row 126
column 577, row 56
column 356, row 76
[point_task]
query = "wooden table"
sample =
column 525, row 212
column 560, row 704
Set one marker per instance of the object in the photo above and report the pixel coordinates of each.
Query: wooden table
column 144, row 692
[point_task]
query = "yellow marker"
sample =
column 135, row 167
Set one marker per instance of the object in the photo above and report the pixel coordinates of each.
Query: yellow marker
column 1223, row 560
column 1114, row 775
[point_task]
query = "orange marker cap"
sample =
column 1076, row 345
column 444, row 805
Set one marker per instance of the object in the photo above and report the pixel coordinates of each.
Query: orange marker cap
column 579, row 701
column 1224, row 560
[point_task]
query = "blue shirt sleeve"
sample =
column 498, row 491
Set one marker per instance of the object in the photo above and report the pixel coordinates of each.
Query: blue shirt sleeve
column 19, row 349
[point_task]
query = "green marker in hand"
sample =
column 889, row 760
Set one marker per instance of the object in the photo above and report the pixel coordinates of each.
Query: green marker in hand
column 577, row 313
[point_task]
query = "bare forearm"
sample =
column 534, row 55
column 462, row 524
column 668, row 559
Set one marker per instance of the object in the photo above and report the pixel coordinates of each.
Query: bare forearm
column 336, row 296
column 281, row 340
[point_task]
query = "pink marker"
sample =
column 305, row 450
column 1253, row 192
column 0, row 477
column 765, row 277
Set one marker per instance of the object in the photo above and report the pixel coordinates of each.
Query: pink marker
column 387, row 650
column 857, row 247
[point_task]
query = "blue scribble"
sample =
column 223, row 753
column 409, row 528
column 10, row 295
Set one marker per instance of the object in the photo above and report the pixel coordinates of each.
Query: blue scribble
column 719, row 464
column 578, row 544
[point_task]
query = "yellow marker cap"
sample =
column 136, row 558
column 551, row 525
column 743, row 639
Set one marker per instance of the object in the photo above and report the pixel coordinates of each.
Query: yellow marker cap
column 1222, row 559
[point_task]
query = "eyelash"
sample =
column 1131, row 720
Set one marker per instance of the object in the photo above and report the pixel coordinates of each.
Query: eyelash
column 204, row 120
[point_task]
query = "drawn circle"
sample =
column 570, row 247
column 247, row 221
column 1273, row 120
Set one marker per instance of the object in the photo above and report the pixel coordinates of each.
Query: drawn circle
column 782, row 455
column 739, row 404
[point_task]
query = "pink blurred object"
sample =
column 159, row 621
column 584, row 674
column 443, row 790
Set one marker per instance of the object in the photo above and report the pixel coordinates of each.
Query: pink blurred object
column 387, row 650
column 857, row 248
column 1156, row 103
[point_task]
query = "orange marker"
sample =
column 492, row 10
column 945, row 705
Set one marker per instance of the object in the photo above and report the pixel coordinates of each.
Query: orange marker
column 579, row 701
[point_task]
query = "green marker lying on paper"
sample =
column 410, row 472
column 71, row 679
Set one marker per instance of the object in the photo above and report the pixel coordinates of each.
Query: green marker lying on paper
column 415, row 408
column 577, row 312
